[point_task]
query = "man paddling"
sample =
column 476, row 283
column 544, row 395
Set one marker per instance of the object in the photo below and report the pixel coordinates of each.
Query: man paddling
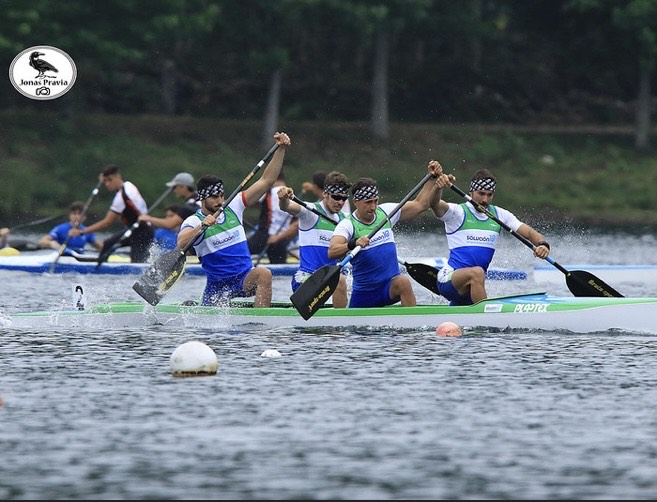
column 58, row 235
column 222, row 247
column 472, row 236
column 377, row 278
column 126, row 207
column 315, row 232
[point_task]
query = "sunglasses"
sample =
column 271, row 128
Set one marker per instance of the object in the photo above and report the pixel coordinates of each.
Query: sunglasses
column 340, row 198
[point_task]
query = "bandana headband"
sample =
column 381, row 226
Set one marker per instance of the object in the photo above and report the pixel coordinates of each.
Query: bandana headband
column 482, row 184
column 366, row 193
column 340, row 189
column 210, row 191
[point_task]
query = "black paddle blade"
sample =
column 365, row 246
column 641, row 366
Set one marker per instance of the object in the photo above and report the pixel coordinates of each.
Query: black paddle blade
column 160, row 277
column 425, row 275
column 314, row 292
column 583, row 283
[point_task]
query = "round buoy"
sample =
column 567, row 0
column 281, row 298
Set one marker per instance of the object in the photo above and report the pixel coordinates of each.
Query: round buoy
column 193, row 359
column 448, row 328
column 270, row 353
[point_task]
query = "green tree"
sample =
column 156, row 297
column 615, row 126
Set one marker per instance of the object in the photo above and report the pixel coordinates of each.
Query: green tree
column 632, row 26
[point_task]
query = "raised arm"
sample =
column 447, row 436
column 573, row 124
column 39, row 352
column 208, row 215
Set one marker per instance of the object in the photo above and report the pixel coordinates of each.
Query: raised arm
column 271, row 172
column 421, row 203
column 442, row 181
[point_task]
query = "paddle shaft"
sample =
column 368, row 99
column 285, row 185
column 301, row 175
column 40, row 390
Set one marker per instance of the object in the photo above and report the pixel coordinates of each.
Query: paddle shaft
column 85, row 208
column 310, row 207
column 36, row 222
column 227, row 201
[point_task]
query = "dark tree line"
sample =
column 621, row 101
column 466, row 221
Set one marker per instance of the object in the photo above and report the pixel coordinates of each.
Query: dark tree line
column 506, row 61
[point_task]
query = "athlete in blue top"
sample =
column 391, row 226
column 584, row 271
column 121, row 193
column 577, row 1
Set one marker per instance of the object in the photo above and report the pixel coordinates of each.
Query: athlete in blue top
column 315, row 232
column 377, row 280
column 58, row 235
column 472, row 236
column 222, row 248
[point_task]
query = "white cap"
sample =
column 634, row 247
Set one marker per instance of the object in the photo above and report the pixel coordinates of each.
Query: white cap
column 185, row 179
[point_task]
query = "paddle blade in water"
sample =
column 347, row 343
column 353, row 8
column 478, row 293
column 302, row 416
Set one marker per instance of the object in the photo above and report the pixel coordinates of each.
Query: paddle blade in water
column 583, row 283
column 425, row 275
column 160, row 277
column 316, row 290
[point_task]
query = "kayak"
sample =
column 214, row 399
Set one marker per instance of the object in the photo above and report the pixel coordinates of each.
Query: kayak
column 533, row 311
column 39, row 262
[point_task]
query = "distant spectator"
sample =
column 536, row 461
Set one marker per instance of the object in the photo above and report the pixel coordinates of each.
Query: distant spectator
column 60, row 233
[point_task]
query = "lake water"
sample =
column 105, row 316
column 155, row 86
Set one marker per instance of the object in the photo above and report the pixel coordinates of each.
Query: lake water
column 96, row 414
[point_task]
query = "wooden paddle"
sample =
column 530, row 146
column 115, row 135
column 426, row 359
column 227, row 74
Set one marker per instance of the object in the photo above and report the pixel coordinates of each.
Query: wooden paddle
column 163, row 274
column 317, row 289
column 424, row 274
column 580, row 282
column 62, row 248
column 113, row 242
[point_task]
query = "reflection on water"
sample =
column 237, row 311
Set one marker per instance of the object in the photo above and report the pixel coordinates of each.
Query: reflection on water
column 96, row 414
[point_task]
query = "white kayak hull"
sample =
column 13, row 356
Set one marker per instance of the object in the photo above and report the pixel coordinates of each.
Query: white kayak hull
column 536, row 311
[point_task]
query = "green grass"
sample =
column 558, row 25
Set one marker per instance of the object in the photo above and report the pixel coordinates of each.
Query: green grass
column 547, row 178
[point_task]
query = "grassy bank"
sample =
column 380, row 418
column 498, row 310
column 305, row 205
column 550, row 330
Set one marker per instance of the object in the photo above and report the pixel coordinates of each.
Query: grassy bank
column 549, row 177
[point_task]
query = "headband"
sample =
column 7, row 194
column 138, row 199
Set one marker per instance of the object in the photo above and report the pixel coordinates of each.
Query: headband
column 482, row 184
column 366, row 193
column 337, row 189
column 210, row 191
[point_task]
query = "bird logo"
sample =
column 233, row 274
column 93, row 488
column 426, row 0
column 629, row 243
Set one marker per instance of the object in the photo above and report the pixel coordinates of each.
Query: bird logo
column 41, row 65
column 56, row 72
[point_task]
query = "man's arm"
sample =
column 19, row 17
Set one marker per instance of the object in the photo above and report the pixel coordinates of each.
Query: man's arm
column 286, row 203
column 170, row 223
column 536, row 238
column 423, row 200
column 271, row 172
column 110, row 218
column 438, row 205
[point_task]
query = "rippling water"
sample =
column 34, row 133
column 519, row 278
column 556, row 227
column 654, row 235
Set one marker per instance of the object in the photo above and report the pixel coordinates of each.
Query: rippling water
column 342, row 414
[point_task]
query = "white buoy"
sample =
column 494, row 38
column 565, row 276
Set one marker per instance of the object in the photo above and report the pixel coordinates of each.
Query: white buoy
column 270, row 353
column 193, row 359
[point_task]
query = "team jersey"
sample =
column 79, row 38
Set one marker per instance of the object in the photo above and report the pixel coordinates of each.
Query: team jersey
column 314, row 237
column 60, row 234
column 472, row 236
column 222, row 248
column 131, row 210
column 377, row 263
